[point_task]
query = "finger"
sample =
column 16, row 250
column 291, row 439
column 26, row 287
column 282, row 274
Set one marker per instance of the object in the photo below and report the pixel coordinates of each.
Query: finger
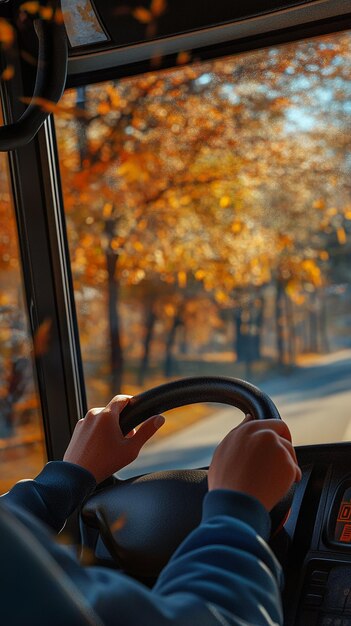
column 279, row 427
column 92, row 412
column 147, row 430
column 131, row 433
column 96, row 410
column 247, row 418
column 286, row 444
column 117, row 404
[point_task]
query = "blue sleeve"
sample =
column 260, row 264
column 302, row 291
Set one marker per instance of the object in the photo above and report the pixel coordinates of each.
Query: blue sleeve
column 54, row 494
column 223, row 574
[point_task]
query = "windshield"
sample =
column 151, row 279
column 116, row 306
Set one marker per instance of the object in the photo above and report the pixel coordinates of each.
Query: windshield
column 208, row 211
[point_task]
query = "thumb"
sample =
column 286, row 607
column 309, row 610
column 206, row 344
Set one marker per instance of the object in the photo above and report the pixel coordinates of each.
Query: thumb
column 147, row 430
column 247, row 418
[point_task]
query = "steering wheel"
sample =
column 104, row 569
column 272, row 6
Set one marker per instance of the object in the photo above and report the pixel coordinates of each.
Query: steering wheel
column 142, row 520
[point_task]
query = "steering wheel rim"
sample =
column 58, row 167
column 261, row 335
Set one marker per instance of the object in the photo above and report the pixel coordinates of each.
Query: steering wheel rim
column 158, row 510
column 225, row 390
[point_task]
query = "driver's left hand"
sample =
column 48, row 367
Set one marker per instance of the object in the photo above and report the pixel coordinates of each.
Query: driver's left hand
column 98, row 445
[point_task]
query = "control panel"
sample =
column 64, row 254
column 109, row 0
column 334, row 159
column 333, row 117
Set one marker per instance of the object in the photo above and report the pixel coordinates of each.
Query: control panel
column 326, row 596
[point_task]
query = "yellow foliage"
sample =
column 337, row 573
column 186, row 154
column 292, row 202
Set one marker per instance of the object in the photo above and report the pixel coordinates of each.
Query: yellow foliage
column 221, row 296
column 293, row 289
column 138, row 246
column 332, row 211
column 236, row 227
column 224, row 202
column 341, row 235
column 182, row 279
column 313, row 272
column 107, row 210
column 319, row 204
column 200, row 274
column 169, row 309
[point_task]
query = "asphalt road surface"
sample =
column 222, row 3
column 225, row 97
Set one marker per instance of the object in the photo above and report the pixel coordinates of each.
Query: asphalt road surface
column 315, row 400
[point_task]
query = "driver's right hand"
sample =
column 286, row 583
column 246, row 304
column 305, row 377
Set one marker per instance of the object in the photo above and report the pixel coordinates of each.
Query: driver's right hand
column 257, row 458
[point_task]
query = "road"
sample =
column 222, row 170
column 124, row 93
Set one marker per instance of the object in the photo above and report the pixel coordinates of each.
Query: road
column 315, row 400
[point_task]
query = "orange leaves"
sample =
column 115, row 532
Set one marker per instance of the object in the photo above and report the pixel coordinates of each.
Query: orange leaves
column 183, row 57
column 207, row 181
column 30, row 7
column 44, row 12
column 103, row 108
column 224, row 202
column 8, row 73
column 313, row 272
column 107, row 210
column 236, row 227
column 146, row 16
column 158, row 7
column 341, row 235
column 118, row 524
column 285, row 241
column 60, row 110
column 42, row 338
column 142, row 15
column 319, row 204
column 7, row 33
column 182, row 279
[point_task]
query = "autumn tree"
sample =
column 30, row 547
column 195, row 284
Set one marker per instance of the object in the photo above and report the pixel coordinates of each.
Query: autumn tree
column 207, row 174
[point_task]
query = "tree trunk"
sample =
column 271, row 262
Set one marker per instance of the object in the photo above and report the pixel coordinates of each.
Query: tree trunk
column 239, row 340
column 116, row 352
column 149, row 332
column 323, row 325
column 313, row 325
column 279, row 322
column 291, row 330
column 257, row 321
column 82, row 134
column 177, row 321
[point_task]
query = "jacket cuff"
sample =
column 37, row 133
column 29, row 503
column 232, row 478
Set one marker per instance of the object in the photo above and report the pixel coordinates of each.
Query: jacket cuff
column 239, row 505
column 67, row 477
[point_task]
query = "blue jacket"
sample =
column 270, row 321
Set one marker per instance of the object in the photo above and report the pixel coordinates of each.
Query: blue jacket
column 223, row 574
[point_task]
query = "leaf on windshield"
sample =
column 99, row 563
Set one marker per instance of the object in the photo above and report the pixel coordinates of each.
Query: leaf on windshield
column 118, row 524
column 142, row 15
column 7, row 33
column 61, row 110
column 8, row 73
column 42, row 338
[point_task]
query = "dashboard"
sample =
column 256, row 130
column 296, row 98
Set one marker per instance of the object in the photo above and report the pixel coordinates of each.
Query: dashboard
column 316, row 545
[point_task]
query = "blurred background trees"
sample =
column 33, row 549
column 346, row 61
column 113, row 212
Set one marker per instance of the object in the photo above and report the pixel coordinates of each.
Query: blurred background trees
column 208, row 211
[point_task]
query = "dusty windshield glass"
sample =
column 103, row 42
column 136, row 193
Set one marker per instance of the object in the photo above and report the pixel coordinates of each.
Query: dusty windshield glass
column 208, row 211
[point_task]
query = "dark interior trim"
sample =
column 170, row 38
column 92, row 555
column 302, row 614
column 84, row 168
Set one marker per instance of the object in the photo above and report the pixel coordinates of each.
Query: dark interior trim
column 247, row 30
